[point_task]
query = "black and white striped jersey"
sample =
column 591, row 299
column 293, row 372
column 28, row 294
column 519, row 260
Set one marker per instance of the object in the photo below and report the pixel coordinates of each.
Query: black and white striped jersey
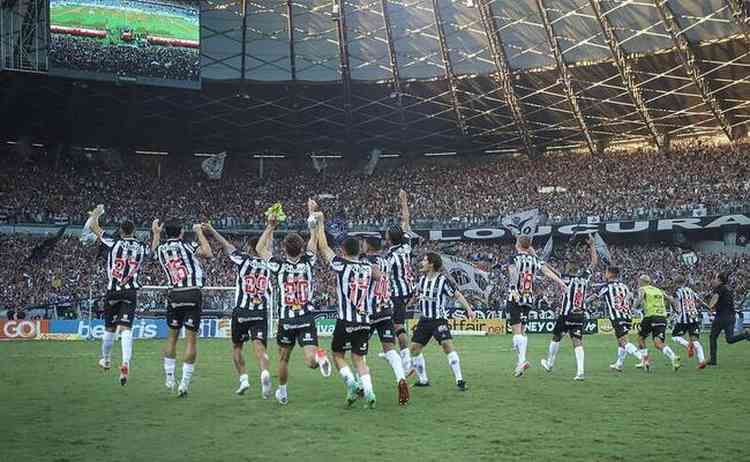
column 179, row 260
column 433, row 293
column 253, row 290
column 382, row 303
column 401, row 271
column 618, row 299
column 355, row 288
column 523, row 270
column 574, row 297
column 687, row 306
column 294, row 281
column 124, row 262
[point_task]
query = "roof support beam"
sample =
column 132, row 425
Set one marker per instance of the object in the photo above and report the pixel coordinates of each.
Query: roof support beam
column 565, row 78
column 460, row 123
column 346, row 75
column 739, row 13
column 626, row 72
column 690, row 63
column 394, row 68
column 504, row 77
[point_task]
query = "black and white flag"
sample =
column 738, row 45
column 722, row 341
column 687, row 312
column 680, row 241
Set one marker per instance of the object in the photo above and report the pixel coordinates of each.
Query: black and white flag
column 523, row 223
column 214, row 165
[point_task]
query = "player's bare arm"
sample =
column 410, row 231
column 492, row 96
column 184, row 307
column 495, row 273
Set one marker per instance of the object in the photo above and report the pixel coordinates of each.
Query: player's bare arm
column 550, row 273
column 403, row 200
column 264, row 247
column 95, row 227
column 228, row 247
column 465, row 303
column 312, row 244
column 594, row 254
column 205, row 249
column 156, row 228
column 320, row 237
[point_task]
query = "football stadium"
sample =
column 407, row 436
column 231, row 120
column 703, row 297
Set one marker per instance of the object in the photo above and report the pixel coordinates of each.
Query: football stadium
column 403, row 229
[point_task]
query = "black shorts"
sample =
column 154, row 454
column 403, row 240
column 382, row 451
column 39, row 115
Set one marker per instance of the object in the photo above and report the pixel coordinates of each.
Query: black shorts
column 348, row 336
column 656, row 326
column 621, row 326
column 692, row 328
column 431, row 328
column 301, row 330
column 399, row 309
column 184, row 309
column 119, row 308
column 516, row 314
column 572, row 324
column 385, row 329
column 246, row 329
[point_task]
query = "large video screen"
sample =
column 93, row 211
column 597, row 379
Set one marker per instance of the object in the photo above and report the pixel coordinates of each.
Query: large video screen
column 153, row 42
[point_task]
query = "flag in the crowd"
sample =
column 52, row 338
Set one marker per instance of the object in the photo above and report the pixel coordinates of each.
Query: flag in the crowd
column 41, row 251
column 214, row 166
column 689, row 258
column 468, row 279
column 337, row 229
column 601, row 249
column 547, row 250
column 87, row 236
column 372, row 162
column 522, row 223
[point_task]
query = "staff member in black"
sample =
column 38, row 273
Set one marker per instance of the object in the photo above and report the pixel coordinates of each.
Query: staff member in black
column 722, row 305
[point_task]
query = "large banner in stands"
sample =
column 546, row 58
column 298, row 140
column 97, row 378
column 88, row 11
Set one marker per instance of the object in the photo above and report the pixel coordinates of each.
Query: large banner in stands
column 23, row 330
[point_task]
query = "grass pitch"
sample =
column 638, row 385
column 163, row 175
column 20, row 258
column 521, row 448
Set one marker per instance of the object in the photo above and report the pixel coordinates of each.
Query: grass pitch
column 57, row 406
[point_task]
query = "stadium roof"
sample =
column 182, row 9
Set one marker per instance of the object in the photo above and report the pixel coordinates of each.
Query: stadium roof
column 423, row 75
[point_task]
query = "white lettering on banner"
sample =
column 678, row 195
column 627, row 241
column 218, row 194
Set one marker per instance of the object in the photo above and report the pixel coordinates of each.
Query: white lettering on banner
column 617, row 227
column 729, row 220
column 438, row 236
column 484, row 233
column 20, row 329
column 684, row 223
column 578, row 229
column 543, row 231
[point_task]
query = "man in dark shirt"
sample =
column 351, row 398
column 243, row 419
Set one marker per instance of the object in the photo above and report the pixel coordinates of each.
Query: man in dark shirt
column 722, row 304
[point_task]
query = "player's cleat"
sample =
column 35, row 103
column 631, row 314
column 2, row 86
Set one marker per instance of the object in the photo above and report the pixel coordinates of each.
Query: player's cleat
column 701, row 365
column 461, row 385
column 421, row 384
column 182, row 392
column 616, row 367
column 124, row 374
column 546, row 366
column 691, row 350
column 265, row 383
column 352, row 394
column 104, row 364
column 325, row 364
column 244, row 386
column 521, row 368
column 639, row 365
column 676, row 363
column 370, row 399
column 283, row 400
column 403, row 392
column 171, row 385
column 578, row 378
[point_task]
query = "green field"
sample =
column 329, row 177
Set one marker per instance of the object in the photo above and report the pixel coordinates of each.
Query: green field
column 57, row 406
column 112, row 19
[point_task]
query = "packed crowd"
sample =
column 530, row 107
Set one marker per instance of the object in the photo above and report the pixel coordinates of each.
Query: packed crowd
column 641, row 184
column 159, row 62
column 71, row 269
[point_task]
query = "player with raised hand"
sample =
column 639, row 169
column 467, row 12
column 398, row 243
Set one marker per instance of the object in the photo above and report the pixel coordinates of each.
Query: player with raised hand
column 125, row 256
column 293, row 275
column 179, row 259
column 356, row 280
column 686, row 305
column 253, row 299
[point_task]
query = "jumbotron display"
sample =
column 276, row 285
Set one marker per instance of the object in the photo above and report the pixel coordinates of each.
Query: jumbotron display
column 144, row 41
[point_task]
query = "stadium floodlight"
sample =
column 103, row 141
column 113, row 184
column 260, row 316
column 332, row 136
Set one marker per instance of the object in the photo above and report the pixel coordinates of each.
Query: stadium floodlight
column 440, row 154
column 563, row 147
column 151, row 153
column 326, row 156
column 269, row 156
column 91, row 149
column 203, row 154
column 386, row 156
column 37, row 145
column 501, row 151
column 11, row 142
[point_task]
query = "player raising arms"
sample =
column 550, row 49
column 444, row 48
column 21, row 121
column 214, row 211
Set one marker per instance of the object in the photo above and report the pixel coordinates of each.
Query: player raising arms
column 401, row 274
column 125, row 255
column 572, row 316
column 253, row 298
column 293, row 276
column 433, row 292
column 355, row 280
column 654, row 322
column 523, row 268
column 381, row 318
column 185, row 274
column 687, row 320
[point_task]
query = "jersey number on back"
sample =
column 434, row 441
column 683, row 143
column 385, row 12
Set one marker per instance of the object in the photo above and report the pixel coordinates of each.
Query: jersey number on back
column 255, row 284
column 118, row 269
column 295, row 292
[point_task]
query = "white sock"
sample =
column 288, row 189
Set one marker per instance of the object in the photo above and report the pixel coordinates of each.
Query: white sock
column 621, row 352
column 644, row 353
column 579, row 360
column 264, row 374
column 346, row 374
column 421, row 366
column 681, row 341
column 366, row 384
column 668, row 353
column 632, row 350
column 282, row 391
column 523, row 343
column 699, row 351
column 187, row 374
column 107, row 341
column 554, row 347
column 406, row 360
column 455, row 365
column 398, row 367
column 169, row 367
column 244, row 379
column 126, row 339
